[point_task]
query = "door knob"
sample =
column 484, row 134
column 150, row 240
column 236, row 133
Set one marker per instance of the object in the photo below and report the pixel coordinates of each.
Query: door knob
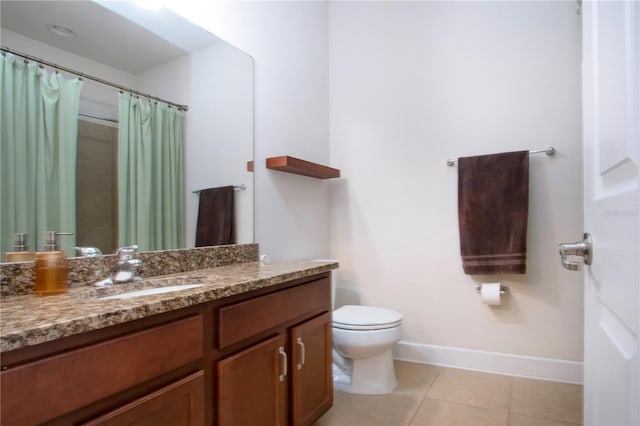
column 582, row 248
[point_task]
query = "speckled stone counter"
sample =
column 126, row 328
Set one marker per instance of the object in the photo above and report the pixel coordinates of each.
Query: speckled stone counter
column 17, row 278
column 30, row 319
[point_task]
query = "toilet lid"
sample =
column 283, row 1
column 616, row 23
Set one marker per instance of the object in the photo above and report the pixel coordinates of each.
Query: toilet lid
column 355, row 317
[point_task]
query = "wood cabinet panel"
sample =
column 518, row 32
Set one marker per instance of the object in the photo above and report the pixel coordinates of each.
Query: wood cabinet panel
column 311, row 359
column 245, row 319
column 180, row 404
column 252, row 386
column 65, row 382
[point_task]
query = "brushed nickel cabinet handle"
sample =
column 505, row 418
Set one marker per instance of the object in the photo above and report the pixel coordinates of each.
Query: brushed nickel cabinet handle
column 283, row 354
column 301, row 345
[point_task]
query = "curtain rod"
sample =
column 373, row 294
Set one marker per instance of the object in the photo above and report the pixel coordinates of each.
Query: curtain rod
column 549, row 151
column 90, row 77
column 95, row 117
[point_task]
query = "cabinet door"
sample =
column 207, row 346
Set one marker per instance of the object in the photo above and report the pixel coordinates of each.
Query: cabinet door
column 179, row 404
column 311, row 369
column 252, row 385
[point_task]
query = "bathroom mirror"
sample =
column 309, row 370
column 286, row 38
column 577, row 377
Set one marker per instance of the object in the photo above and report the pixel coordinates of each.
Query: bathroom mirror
column 161, row 54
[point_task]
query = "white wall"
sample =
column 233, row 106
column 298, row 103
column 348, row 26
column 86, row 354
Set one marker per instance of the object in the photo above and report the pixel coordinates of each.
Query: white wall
column 415, row 83
column 289, row 43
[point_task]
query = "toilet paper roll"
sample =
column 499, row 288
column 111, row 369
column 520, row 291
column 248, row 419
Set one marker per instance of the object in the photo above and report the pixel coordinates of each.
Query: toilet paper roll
column 490, row 293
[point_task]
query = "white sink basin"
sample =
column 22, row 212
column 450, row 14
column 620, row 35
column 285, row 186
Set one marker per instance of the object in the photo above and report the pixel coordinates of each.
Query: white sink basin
column 152, row 291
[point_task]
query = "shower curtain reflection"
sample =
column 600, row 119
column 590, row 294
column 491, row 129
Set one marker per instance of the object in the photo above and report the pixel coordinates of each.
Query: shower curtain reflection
column 150, row 174
column 38, row 152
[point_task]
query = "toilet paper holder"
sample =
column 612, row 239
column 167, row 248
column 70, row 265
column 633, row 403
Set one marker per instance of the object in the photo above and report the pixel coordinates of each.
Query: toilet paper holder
column 503, row 289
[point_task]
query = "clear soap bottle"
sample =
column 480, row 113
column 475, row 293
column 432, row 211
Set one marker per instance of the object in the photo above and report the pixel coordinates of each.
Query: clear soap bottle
column 51, row 266
column 20, row 251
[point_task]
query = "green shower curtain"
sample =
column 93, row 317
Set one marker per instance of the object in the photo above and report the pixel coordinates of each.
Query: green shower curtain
column 39, row 129
column 150, row 176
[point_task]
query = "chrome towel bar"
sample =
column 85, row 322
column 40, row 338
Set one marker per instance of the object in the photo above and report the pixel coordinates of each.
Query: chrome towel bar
column 241, row 187
column 549, row 151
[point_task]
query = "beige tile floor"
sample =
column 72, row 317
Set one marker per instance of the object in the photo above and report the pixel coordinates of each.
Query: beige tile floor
column 431, row 395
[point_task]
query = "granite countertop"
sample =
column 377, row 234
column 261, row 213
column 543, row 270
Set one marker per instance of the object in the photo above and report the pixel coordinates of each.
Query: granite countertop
column 30, row 320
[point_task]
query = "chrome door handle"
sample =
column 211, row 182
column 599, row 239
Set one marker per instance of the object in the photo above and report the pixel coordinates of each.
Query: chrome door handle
column 582, row 248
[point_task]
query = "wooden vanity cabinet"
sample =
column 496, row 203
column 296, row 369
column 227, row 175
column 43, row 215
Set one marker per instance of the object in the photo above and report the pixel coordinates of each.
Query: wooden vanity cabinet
column 259, row 359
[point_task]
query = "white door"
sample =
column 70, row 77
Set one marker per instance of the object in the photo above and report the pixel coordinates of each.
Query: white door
column 611, row 97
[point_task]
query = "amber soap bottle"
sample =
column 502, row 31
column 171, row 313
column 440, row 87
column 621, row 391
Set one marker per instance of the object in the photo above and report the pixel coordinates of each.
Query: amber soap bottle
column 51, row 267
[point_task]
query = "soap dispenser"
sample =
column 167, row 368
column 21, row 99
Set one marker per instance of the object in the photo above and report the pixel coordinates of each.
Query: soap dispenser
column 20, row 251
column 51, row 266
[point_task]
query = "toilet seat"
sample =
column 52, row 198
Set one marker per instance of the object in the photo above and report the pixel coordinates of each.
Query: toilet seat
column 356, row 317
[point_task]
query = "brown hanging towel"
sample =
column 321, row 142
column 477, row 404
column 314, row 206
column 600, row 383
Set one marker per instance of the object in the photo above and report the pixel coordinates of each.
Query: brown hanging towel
column 216, row 218
column 493, row 208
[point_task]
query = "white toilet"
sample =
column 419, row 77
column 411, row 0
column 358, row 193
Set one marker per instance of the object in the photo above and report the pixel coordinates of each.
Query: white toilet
column 362, row 340
column 363, row 337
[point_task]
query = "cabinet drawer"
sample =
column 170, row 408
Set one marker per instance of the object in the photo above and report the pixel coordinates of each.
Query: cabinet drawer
column 66, row 382
column 179, row 404
column 245, row 319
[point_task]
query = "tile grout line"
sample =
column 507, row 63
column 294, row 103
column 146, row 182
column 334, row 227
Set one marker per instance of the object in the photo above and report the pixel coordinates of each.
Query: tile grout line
column 415, row 413
column 462, row 404
column 440, row 370
column 545, row 416
column 424, row 396
column 466, row 404
column 481, row 407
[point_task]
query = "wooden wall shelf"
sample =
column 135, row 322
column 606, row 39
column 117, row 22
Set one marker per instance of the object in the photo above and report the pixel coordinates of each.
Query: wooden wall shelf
column 302, row 167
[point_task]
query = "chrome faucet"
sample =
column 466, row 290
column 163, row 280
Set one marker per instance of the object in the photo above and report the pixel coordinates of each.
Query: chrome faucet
column 126, row 268
column 88, row 251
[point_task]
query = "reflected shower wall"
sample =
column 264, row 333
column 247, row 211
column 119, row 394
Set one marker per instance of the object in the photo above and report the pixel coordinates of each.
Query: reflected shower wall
column 97, row 180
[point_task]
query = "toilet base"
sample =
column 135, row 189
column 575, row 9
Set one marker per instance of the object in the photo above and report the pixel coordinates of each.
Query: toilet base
column 368, row 376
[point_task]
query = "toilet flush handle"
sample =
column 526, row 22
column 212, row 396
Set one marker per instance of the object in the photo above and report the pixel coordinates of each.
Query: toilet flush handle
column 301, row 345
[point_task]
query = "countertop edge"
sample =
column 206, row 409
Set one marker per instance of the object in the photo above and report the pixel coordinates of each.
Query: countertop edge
column 81, row 313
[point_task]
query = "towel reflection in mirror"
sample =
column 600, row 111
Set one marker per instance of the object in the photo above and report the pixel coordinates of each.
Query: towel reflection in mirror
column 216, row 217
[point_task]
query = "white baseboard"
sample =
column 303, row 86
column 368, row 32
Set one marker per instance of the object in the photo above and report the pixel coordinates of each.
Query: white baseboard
column 557, row 370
